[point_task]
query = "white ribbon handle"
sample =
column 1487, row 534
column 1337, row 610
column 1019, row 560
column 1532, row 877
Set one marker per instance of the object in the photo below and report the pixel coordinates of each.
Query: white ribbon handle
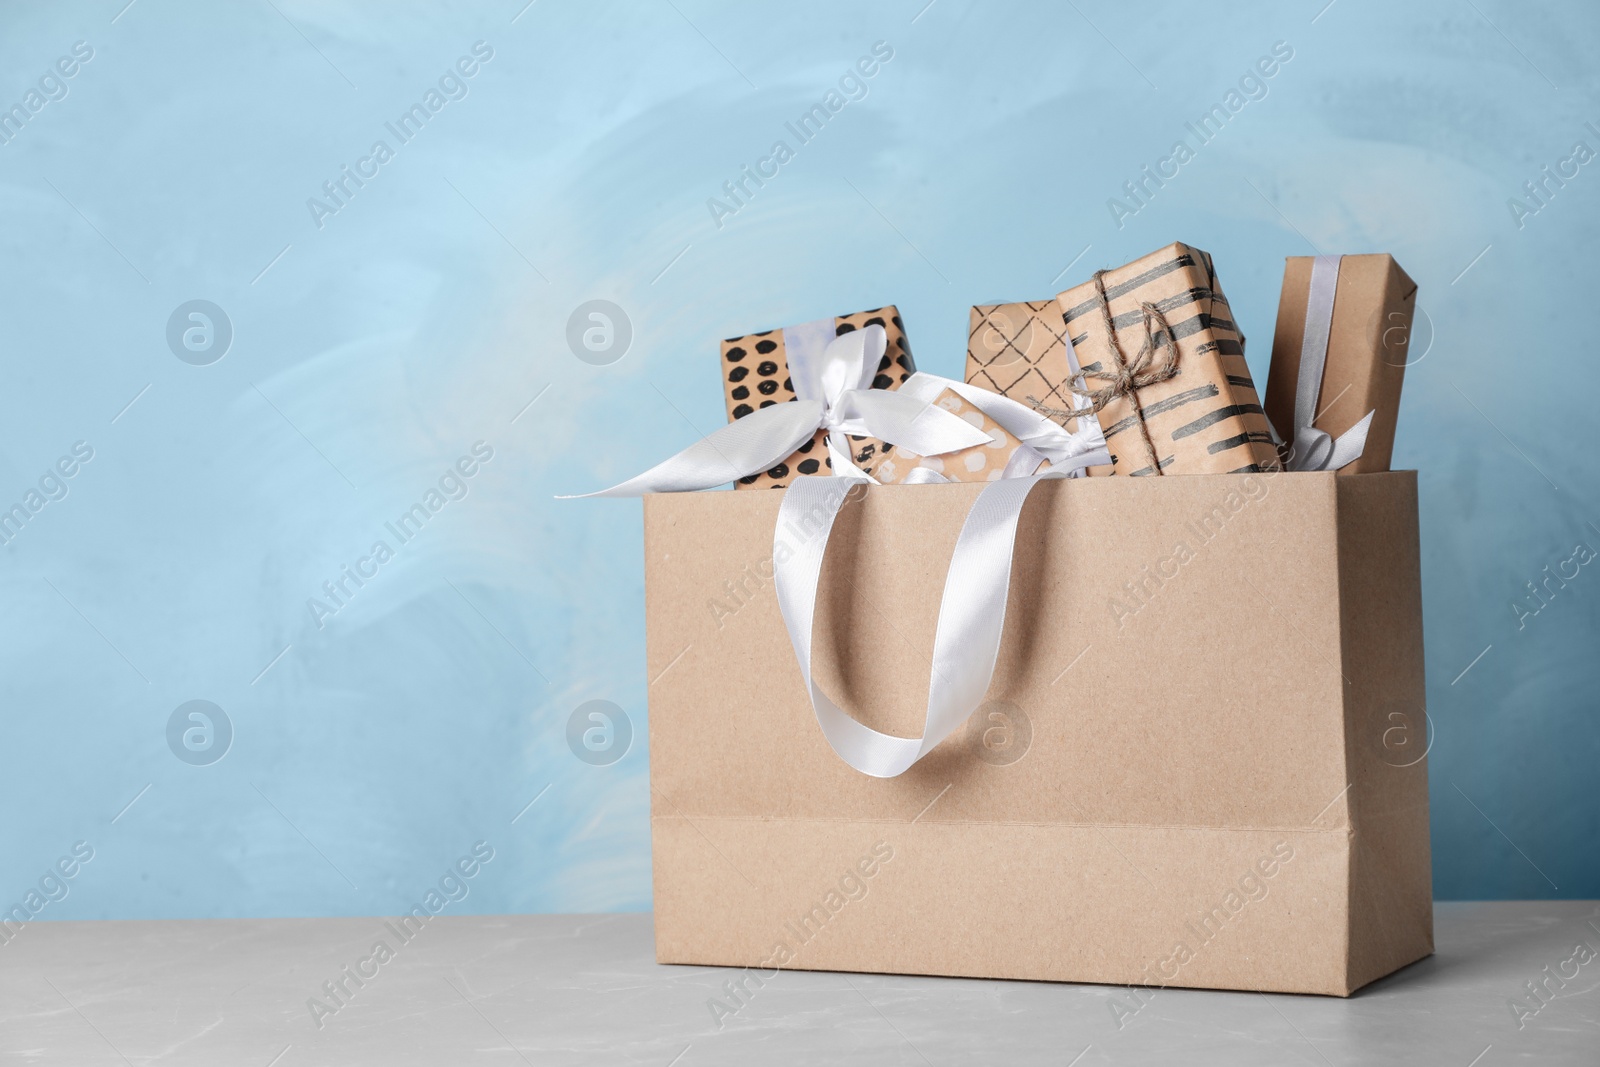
column 972, row 615
column 831, row 386
column 1314, row 449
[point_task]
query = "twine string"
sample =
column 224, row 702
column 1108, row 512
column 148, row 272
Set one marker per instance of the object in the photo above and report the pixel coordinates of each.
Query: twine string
column 1124, row 377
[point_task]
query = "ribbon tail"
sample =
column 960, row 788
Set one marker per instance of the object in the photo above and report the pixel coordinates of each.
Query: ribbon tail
column 906, row 422
column 1070, row 451
column 1350, row 444
column 843, row 463
column 746, row 446
column 924, row 476
column 1315, row 450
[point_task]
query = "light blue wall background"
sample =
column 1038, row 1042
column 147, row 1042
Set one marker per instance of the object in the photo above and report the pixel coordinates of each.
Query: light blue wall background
column 428, row 312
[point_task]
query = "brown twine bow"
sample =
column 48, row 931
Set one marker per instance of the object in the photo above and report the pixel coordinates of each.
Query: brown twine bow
column 1125, row 377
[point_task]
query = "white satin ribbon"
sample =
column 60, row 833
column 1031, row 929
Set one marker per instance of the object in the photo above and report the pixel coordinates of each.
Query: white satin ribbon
column 973, row 606
column 1314, row 449
column 832, row 380
column 972, row 613
column 1043, row 439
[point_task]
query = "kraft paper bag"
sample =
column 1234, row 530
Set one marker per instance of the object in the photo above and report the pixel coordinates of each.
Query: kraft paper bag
column 1201, row 761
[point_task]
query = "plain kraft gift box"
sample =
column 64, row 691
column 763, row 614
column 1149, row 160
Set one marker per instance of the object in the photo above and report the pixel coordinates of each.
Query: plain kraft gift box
column 1202, row 678
column 1368, row 340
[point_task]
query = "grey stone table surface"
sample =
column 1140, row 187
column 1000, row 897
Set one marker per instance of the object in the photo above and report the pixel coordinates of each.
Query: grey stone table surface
column 585, row 989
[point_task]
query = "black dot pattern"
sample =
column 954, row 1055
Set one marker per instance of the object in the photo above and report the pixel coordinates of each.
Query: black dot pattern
column 768, row 378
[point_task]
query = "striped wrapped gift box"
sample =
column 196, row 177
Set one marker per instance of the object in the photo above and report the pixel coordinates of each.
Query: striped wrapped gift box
column 1204, row 419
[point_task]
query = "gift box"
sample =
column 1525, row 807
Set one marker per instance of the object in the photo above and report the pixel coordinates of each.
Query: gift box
column 1159, row 349
column 1164, row 785
column 1020, row 351
column 1365, row 335
column 981, row 463
column 756, row 375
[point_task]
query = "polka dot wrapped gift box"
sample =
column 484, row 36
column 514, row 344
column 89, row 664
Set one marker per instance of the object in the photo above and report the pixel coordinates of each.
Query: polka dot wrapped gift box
column 755, row 375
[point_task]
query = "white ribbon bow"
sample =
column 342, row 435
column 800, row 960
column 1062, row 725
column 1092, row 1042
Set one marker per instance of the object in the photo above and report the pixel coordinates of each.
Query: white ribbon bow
column 832, row 378
column 1314, row 449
